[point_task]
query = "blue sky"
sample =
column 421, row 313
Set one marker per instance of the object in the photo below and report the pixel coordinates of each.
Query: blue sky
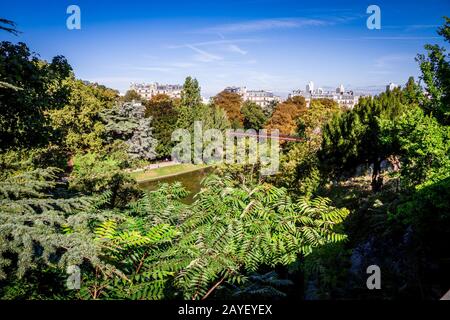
column 265, row 44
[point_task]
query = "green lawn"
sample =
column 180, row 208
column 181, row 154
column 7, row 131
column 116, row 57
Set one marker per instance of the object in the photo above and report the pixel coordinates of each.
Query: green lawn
column 155, row 174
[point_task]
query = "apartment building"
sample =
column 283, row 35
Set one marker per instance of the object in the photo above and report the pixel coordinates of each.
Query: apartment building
column 148, row 90
column 261, row 97
column 344, row 98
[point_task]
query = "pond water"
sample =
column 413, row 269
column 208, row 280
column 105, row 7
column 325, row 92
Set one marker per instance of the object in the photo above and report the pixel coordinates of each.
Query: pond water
column 190, row 180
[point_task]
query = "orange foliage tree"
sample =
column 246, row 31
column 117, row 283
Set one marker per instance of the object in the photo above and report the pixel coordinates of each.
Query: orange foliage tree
column 284, row 117
column 231, row 103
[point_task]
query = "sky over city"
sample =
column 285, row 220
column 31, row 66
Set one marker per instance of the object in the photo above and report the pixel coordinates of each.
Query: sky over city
column 266, row 44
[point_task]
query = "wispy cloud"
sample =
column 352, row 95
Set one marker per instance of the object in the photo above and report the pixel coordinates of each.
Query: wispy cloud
column 412, row 27
column 157, row 69
column 390, row 60
column 264, row 25
column 202, row 55
column 385, row 65
column 415, row 27
column 399, row 38
column 222, row 41
column 183, row 64
column 163, row 67
column 234, row 48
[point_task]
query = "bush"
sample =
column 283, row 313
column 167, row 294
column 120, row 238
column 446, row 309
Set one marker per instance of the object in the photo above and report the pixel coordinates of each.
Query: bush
column 94, row 174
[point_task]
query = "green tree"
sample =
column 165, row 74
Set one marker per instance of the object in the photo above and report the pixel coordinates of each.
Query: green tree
column 79, row 122
column 231, row 234
column 23, row 119
column 132, row 95
column 127, row 123
column 354, row 137
column 310, row 123
column 422, row 144
column 300, row 165
column 8, row 26
column 413, row 92
column 254, row 117
column 190, row 95
column 33, row 221
column 189, row 104
column 435, row 69
column 216, row 118
column 96, row 174
column 164, row 116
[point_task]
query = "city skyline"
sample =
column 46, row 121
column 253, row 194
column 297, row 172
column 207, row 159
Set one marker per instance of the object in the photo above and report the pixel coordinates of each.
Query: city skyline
column 276, row 46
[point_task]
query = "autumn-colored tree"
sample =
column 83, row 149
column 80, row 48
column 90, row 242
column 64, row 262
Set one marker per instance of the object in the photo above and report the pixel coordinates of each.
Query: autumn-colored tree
column 231, row 103
column 319, row 112
column 286, row 114
column 299, row 166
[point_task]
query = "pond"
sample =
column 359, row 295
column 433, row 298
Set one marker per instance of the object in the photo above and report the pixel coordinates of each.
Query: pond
column 190, row 180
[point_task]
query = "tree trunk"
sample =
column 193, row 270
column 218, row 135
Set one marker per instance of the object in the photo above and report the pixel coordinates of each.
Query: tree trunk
column 377, row 180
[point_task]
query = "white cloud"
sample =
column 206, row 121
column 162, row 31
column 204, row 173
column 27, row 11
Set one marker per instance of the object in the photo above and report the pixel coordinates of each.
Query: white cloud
column 391, row 60
column 215, row 42
column 202, row 55
column 264, row 24
column 236, row 49
column 399, row 38
column 157, row 69
column 183, row 64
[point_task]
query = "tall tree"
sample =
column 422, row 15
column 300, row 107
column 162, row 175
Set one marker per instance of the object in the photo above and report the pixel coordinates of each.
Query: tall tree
column 284, row 118
column 127, row 122
column 190, row 95
column 435, row 69
column 79, row 123
column 189, row 104
column 354, row 137
column 23, row 113
column 232, row 104
column 8, row 26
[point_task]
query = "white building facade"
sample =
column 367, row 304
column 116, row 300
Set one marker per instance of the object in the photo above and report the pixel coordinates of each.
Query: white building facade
column 346, row 99
column 148, row 90
column 261, row 97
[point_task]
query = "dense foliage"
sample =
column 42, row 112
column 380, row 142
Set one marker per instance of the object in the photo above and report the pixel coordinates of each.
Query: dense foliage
column 363, row 186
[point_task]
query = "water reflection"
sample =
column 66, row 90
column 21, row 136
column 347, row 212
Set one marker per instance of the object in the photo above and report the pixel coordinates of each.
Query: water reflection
column 190, row 180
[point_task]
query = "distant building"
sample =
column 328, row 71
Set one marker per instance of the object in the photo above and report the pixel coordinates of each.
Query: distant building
column 147, row 91
column 261, row 97
column 310, row 87
column 344, row 98
column 391, row 86
column 239, row 90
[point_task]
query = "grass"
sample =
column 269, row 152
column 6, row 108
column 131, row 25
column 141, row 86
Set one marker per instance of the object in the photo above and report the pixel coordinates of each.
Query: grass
column 163, row 172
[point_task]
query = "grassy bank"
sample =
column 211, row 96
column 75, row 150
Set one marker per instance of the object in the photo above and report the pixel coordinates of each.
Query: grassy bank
column 163, row 172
